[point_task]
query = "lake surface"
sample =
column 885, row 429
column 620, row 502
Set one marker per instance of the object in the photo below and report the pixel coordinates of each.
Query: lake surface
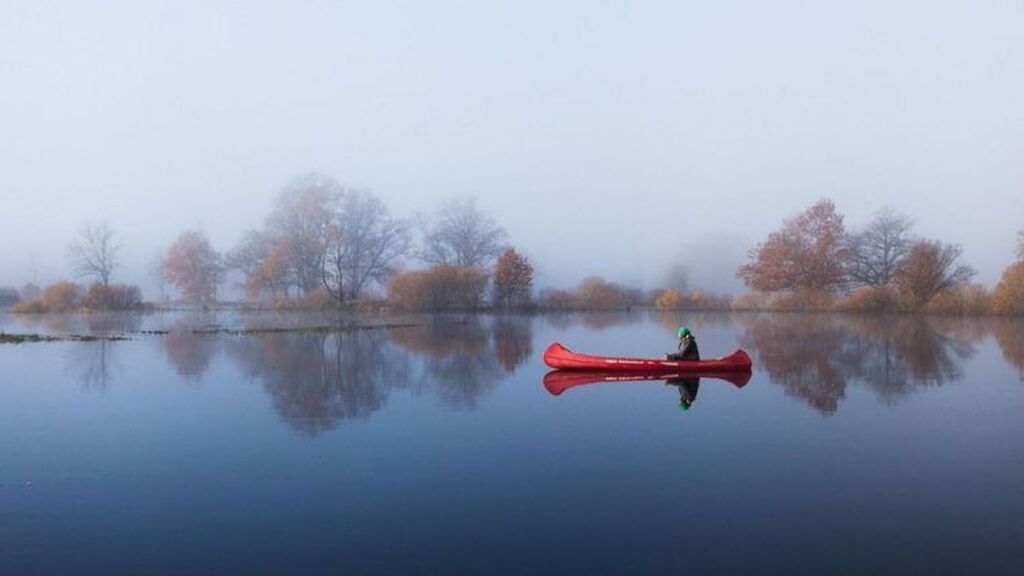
column 857, row 446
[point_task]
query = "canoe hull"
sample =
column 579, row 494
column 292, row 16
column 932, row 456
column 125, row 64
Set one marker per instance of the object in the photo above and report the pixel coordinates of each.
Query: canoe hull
column 561, row 358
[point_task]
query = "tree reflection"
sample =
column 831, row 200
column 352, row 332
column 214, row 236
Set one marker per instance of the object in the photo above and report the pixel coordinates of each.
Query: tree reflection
column 803, row 353
column 513, row 341
column 1010, row 336
column 594, row 320
column 112, row 323
column 697, row 321
column 318, row 380
column 814, row 356
column 190, row 354
column 91, row 323
column 461, row 359
column 930, row 357
column 92, row 363
column 602, row 320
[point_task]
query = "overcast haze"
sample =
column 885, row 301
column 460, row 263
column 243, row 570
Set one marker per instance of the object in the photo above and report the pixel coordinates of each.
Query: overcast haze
column 607, row 137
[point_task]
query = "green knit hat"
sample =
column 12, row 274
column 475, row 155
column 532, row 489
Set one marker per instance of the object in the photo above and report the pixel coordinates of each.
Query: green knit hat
column 684, row 331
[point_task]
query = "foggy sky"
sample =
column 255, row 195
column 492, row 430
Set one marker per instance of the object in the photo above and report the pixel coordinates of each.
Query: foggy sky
column 607, row 137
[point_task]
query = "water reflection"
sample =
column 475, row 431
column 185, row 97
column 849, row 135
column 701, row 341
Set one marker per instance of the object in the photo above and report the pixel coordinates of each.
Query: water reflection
column 319, row 380
column 97, row 324
column 814, row 357
column 93, row 364
column 513, row 341
column 1010, row 336
column 593, row 320
column 697, row 321
column 556, row 382
column 460, row 361
column 190, row 354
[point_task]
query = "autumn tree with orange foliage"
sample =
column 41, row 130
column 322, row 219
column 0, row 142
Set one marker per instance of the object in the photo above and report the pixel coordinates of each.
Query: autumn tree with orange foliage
column 558, row 299
column 807, row 254
column 596, row 293
column 929, row 268
column 263, row 262
column 1008, row 296
column 669, row 299
column 112, row 297
column 62, row 296
column 194, row 267
column 513, row 279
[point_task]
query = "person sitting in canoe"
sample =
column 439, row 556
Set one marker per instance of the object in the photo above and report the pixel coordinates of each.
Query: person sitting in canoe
column 687, row 346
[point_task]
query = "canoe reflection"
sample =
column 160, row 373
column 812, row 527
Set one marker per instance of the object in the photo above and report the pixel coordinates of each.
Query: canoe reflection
column 558, row 381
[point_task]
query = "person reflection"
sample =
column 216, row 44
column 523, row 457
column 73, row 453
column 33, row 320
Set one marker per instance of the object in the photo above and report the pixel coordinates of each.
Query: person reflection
column 688, row 388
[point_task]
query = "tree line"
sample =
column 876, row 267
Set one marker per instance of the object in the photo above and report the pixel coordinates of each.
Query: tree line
column 326, row 245
column 814, row 262
column 321, row 245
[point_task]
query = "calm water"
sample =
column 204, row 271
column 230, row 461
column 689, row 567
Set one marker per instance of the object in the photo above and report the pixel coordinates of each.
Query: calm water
column 858, row 446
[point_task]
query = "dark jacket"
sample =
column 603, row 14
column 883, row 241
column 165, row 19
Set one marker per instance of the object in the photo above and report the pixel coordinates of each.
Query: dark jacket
column 687, row 350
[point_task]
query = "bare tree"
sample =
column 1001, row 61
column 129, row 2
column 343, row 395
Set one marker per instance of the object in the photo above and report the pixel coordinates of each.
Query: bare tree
column 1020, row 244
column 677, row 278
column 460, row 234
column 94, row 253
column 250, row 251
column 875, row 253
column 299, row 225
column 362, row 244
column 929, row 268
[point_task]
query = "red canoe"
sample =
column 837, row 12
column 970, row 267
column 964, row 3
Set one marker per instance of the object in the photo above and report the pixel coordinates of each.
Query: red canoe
column 561, row 358
column 558, row 381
